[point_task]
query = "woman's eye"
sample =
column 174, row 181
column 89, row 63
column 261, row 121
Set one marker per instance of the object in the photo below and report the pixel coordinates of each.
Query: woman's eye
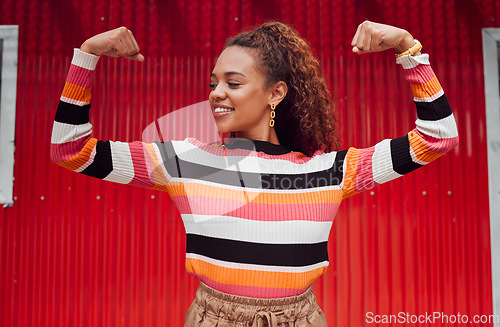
column 213, row 86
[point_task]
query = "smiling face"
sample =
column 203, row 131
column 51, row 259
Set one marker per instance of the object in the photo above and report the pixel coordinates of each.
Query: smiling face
column 239, row 98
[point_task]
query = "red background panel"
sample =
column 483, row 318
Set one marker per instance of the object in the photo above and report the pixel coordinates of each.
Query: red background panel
column 83, row 252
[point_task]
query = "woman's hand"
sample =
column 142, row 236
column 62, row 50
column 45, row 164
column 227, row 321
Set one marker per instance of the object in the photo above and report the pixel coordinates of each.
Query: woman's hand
column 119, row 42
column 374, row 37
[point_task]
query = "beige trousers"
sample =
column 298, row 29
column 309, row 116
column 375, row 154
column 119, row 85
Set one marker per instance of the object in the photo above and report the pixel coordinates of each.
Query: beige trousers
column 214, row 308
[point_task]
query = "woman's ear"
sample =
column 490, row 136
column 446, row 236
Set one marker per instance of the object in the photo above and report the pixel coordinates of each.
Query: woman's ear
column 278, row 92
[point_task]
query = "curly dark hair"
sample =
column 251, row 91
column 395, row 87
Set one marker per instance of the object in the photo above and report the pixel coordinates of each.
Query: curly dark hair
column 304, row 119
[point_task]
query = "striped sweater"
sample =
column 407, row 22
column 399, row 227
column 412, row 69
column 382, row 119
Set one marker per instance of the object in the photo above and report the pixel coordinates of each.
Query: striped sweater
column 257, row 216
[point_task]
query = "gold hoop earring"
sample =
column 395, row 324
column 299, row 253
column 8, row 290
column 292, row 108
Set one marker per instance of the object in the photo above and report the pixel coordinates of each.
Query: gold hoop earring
column 273, row 114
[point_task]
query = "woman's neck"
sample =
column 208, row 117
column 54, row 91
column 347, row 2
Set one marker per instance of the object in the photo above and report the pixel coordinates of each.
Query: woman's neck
column 267, row 136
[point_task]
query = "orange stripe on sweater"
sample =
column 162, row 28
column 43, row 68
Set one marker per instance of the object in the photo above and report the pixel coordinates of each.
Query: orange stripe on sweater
column 82, row 157
column 159, row 187
column 76, row 92
column 426, row 90
column 351, row 159
column 157, row 174
column 197, row 189
column 243, row 277
column 422, row 153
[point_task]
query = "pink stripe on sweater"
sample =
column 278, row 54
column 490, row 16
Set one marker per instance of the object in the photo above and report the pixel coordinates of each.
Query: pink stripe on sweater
column 80, row 76
column 438, row 145
column 141, row 175
column 66, row 151
column 251, row 291
column 364, row 170
column 207, row 205
column 419, row 75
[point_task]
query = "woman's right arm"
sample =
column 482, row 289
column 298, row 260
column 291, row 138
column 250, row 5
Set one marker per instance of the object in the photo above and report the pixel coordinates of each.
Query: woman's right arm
column 72, row 146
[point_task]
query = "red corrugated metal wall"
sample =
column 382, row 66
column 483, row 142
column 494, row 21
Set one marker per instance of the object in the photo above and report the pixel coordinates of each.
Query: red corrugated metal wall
column 83, row 252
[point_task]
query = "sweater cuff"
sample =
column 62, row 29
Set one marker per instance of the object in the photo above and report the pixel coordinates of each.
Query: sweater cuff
column 84, row 59
column 409, row 62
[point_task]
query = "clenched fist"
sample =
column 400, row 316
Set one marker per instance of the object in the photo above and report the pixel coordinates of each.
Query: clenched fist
column 119, row 42
column 374, row 37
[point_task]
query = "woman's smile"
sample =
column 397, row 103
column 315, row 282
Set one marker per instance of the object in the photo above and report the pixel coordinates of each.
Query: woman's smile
column 221, row 111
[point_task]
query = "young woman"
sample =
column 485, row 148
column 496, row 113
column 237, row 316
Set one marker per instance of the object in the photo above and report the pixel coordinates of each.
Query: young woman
column 258, row 209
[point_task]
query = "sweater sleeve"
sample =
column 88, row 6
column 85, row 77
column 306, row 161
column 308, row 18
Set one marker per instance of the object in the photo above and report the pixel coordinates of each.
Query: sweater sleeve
column 434, row 135
column 73, row 147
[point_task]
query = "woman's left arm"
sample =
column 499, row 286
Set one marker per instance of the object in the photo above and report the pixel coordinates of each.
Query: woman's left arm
column 435, row 132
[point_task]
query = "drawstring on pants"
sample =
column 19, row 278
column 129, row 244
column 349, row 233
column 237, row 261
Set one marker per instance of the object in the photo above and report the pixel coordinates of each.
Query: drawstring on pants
column 268, row 317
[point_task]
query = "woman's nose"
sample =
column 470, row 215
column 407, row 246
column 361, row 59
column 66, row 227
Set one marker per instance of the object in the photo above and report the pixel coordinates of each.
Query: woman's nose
column 219, row 92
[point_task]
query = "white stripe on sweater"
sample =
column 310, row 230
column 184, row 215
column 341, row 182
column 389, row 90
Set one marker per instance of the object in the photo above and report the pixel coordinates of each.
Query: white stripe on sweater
column 123, row 167
column 431, row 98
column 84, row 59
column 383, row 170
column 415, row 159
column 441, row 129
column 88, row 162
column 64, row 133
column 75, row 102
column 257, row 231
column 409, row 62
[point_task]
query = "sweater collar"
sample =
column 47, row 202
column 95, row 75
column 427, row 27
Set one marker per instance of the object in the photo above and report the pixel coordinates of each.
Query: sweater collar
column 262, row 146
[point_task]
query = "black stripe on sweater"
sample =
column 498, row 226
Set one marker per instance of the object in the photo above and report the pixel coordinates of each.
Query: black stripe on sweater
column 102, row 164
column 72, row 114
column 293, row 255
column 169, row 158
column 327, row 177
column 435, row 110
column 401, row 158
column 177, row 167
